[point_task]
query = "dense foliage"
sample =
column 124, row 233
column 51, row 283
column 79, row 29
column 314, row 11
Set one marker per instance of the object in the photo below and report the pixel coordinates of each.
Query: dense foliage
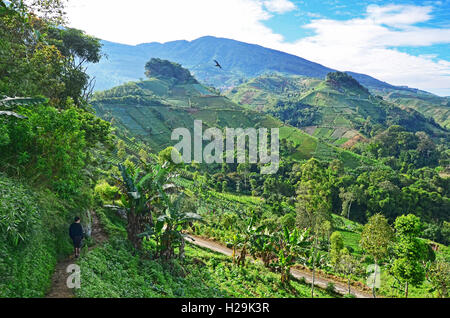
column 163, row 68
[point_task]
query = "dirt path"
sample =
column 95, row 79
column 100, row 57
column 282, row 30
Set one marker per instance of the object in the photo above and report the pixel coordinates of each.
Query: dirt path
column 297, row 273
column 59, row 287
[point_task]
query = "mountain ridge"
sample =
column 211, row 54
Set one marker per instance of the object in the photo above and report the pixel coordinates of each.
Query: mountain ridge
column 240, row 60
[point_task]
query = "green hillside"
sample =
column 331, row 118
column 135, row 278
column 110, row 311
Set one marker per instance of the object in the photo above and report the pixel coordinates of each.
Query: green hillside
column 338, row 110
column 428, row 104
column 148, row 111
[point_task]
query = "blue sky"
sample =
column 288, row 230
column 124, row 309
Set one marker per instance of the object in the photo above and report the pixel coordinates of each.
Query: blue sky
column 402, row 42
column 288, row 23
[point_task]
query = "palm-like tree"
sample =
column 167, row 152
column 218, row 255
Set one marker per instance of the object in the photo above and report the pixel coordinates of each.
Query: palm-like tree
column 168, row 230
column 133, row 187
column 141, row 193
column 288, row 246
column 262, row 245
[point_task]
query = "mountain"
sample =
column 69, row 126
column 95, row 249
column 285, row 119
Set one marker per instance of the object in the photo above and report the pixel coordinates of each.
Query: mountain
column 240, row 61
column 338, row 110
column 148, row 111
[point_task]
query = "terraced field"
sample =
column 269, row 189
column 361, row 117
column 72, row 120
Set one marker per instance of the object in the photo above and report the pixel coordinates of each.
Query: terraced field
column 340, row 113
column 147, row 112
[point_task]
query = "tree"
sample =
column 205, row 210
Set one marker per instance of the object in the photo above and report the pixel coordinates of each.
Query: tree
column 133, row 186
column 166, row 69
column 287, row 246
column 243, row 241
column 347, row 197
column 262, row 245
column 439, row 277
column 410, row 251
column 121, row 151
column 244, row 169
column 376, row 237
column 39, row 57
column 78, row 49
column 169, row 226
column 348, row 265
column 313, row 205
column 337, row 244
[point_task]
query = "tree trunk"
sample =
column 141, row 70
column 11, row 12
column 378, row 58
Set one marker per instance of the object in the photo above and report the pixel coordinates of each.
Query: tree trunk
column 406, row 290
column 134, row 229
column 374, row 280
column 314, row 268
column 181, row 252
column 348, row 210
column 349, row 288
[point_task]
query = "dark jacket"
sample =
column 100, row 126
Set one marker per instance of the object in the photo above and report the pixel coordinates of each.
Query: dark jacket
column 76, row 230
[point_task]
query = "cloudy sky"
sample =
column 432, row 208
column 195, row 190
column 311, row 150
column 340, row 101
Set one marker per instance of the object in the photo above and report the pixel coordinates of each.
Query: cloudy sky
column 402, row 42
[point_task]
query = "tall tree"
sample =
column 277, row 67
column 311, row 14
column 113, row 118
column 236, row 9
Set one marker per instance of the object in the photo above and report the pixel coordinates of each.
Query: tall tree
column 313, row 205
column 376, row 237
column 410, row 251
column 348, row 265
column 337, row 245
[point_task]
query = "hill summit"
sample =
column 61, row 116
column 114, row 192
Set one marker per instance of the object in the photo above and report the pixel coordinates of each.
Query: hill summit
column 165, row 69
column 339, row 80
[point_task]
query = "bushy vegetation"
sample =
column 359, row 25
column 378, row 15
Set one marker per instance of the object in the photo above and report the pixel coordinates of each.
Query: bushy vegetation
column 116, row 270
column 166, row 69
column 49, row 141
column 32, row 238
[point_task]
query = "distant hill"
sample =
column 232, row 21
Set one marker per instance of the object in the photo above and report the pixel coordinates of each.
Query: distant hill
column 426, row 103
column 338, row 110
column 240, row 61
column 148, row 111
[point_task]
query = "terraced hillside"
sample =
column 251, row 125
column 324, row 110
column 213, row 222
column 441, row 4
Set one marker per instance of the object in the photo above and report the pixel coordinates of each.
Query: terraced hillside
column 428, row 104
column 148, row 111
column 338, row 110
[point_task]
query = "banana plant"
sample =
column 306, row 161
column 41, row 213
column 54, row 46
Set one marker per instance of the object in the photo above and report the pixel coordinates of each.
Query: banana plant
column 245, row 238
column 262, row 245
column 133, row 186
column 288, row 246
column 168, row 230
column 235, row 242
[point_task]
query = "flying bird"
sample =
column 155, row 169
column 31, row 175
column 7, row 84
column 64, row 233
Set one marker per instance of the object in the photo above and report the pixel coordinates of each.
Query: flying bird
column 217, row 64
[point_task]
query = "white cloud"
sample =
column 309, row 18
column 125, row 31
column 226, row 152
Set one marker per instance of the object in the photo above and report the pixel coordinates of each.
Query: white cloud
column 139, row 21
column 398, row 15
column 279, row 6
column 364, row 45
column 367, row 45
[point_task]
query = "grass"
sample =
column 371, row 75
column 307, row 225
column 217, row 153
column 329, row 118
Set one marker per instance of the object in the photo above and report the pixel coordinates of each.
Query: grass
column 26, row 268
column 115, row 271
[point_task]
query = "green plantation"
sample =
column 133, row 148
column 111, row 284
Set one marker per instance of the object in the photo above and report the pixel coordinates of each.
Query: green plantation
column 141, row 111
column 337, row 110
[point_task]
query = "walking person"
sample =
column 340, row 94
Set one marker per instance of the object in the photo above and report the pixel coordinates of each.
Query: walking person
column 76, row 234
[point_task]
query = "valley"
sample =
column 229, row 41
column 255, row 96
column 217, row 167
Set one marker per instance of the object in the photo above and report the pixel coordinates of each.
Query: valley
column 358, row 206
